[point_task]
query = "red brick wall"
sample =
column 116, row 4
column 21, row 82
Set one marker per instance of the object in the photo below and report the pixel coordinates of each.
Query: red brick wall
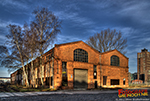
column 106, row 58
column 115, row 72
column 66, row 54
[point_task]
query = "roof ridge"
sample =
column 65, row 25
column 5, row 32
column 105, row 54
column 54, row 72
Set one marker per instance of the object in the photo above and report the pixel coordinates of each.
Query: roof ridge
column 116, row 50
column 68, row 43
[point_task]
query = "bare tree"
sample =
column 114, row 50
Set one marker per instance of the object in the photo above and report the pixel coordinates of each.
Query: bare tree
column 3, row 51
column 31, row 46
column 8, row 60
column 25, row 42
column 15, row 42
column 47, row 26
column 108, row 40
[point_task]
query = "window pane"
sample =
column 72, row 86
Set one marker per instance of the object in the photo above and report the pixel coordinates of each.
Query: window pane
column 64, row 74
column 80, row 55
column 104, row 80
column 114, row 81
column 115, row 60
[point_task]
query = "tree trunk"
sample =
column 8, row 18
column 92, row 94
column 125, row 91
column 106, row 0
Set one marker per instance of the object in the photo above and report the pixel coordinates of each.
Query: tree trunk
column 32, row 74
column 49, row 74
column 25, row 75
column 24, row 71
column 41, row 70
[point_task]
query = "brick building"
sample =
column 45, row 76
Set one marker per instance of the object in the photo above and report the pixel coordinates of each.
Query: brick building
column 137, row 81
column 77, row 65
column 143, row 65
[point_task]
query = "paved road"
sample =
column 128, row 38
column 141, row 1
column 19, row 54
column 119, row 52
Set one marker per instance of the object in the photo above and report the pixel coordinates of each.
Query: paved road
column 7, row 94
column 67, row 96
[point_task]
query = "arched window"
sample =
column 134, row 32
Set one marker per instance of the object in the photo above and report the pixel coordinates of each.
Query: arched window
column 114, row 60
column 80, row 55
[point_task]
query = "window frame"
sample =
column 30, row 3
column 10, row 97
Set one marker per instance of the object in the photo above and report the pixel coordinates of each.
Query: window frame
column 64, row 74
column 80, row 55
column 115, row 81
column 114, row 60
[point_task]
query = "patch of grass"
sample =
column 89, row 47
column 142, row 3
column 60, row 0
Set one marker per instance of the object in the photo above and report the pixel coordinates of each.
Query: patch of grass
column 35, row 89
column 25, row 89
column 28, row 90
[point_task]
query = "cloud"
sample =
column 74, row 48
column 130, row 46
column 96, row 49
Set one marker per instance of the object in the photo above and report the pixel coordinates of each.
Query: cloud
column 4, row 73
column 4, row 30
column 65, row 39
column 75, row 18
column 126, row 31
column 134, row 10
column 82, row 19
column 4, row 24
column 134, row 48
column 138, row 10
column 13, row 3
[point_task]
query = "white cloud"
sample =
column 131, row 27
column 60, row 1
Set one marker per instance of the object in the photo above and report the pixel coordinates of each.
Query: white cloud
column 65, row 39
column 126, row 31
column 75, row 17
column 137, row 10
column 4, row 24
column 13, row 3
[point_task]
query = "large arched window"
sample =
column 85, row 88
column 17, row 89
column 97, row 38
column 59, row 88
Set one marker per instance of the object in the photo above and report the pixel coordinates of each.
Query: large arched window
column 80, row 55
column 114, row 60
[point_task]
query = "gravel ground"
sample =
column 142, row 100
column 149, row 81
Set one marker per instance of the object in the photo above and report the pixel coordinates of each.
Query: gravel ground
column 74, row 97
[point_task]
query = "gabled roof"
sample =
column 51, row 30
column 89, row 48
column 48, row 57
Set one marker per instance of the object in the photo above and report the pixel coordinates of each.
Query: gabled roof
column 117, row 51
column 68, row 43
column 49, row 51
column 90, row 47
column 75, row 43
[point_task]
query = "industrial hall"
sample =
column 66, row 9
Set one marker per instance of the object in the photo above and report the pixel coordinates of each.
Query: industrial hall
column 76, row 65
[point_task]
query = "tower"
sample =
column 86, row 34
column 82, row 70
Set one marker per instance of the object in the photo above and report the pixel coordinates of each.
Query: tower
column 143, row 65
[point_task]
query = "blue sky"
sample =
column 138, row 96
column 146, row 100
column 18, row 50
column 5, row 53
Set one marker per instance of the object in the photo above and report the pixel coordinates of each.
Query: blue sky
column 83, row 18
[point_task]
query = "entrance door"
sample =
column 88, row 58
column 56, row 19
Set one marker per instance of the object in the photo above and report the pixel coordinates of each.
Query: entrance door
column 104, row 80
column 95, row 84
column 80, row 78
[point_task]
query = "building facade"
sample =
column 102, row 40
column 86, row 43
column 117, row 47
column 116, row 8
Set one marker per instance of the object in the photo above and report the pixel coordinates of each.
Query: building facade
column 77, row 65
column 143, row 65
